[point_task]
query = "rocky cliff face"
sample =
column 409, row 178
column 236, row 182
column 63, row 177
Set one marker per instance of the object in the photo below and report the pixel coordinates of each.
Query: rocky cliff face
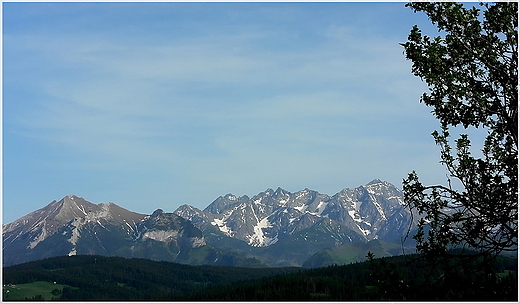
column 284, row 229
column 372, row 211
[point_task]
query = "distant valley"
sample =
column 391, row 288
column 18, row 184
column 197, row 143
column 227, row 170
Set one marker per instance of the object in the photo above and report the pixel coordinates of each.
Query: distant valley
column 273, row 228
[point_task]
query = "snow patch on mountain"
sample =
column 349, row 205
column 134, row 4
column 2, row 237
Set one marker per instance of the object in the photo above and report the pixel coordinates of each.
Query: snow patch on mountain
column 258, row 238
column 361, row 213
column 221, row 225
column 161, row 235
column 320, row 208
column 42, row 236
column 357, row 219
column 301, row 208
column 197, row 242
column 76, row 224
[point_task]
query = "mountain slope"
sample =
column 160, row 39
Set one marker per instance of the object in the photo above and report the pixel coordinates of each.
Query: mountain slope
column 57, row 229
column 352, row 253
column 284, row 228
column 274, row 227
column 75, row 226
column 373, row 211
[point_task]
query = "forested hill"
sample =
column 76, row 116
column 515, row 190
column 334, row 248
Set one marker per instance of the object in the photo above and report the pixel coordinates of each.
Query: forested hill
column 115, row 278
column 84, row 278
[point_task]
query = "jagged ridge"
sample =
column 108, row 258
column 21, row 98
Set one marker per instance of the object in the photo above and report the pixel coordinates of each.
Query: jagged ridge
column 274, row 227
column 373, row 211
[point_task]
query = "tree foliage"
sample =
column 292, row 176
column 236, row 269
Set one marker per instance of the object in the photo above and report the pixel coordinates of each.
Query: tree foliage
column 472, row 76
column 97, row 278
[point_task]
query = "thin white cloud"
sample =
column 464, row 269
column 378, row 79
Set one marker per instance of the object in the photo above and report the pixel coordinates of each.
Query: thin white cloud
column 226, row 112
column 137, row 93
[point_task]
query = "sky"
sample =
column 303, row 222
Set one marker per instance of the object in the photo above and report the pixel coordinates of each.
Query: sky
column 156, row 105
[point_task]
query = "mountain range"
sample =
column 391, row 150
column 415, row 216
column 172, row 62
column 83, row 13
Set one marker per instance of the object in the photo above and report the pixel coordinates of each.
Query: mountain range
column 272, row 228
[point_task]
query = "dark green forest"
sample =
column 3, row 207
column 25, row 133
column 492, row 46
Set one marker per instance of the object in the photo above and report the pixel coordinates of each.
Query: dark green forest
column 115, row 278
column 401, row 278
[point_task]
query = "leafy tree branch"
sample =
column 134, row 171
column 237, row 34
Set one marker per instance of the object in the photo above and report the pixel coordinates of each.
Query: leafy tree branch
column 472, row 77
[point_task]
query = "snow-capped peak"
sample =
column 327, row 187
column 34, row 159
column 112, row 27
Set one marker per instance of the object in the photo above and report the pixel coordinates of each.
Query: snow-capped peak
column 271, row 215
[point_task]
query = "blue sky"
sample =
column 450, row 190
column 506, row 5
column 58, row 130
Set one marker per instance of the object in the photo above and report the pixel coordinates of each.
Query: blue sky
column 155, row 105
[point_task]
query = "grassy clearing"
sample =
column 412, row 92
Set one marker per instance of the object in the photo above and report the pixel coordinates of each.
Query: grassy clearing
column 505, row 273
column 21, row 291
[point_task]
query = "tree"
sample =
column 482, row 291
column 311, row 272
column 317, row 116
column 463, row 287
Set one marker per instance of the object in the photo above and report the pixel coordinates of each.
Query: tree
column 472, row 77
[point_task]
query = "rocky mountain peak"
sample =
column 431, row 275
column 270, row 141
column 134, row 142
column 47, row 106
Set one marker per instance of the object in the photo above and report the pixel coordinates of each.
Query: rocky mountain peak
column 281, row 192
column 378, row 185
column 70, row 207
column 274, row 224
column 157, row 213
column 73, row 226
column 223, row 202
column 72, row 197
column 271, row 215
column 374, row 182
